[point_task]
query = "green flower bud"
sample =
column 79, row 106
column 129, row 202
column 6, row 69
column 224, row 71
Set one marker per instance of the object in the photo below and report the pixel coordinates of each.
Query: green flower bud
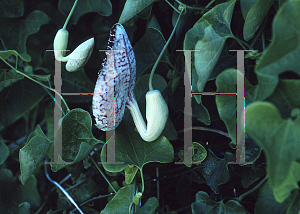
column 60, row 43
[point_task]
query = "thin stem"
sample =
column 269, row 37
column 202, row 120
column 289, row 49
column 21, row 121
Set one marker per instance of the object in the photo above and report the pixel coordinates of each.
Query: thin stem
column 103, row 174
column 253, row 189
column 241, row 42
column 174, row 8
column 192, row 7
column 210, row 3
column 162, row 52
column 94, row 198
column 130, row 208
column 261, row 29
column 157, row 183
column 62, row 189
column 206, row 129
column 55, row 101
column 142, row 177
column 70, row 14
column 25, row 75
column 263, row 41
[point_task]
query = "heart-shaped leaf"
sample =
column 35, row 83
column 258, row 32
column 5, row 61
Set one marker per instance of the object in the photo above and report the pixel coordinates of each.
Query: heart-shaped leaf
column 12, row 9
column 148, row 49
column 283, row 52
column 149, row 207
column 121, row 201
column 280, row 141
column 205, row 205
column 226, row 83
column 199, row 153
column 266, row 202
column 17, row 30
column 254, row 16
column 33, row 153
column 132, row 8
column 131, row 149
column 215, row 170
column 16, row 102
column 284, row 97
column 77, row 138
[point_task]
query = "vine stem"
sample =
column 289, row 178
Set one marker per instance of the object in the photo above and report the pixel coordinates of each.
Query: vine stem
column 62, row 189
column 70, row 14
column 241, row 42
column 25, row 75
column 192, row 7
column 162, row 51
column 253, row 189
column 206, row 129
column 103, row 174
column 174, row 8
column 142, row 177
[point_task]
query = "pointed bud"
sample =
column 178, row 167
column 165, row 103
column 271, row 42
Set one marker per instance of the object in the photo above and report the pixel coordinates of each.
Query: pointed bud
column 78, row 58
column 60, row 43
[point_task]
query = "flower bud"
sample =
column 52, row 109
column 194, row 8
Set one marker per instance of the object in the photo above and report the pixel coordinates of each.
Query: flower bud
column 78, row 58
column 60, row 43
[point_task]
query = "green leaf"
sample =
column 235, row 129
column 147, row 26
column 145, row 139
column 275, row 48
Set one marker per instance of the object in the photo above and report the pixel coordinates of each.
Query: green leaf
column 226, row 104
column 28, row 192
column 17, row 30
column 199, row 153
column 205, row 205
column 7, row 78
column 255, row 16
column 24, row 208
column 148, row 49
column 130, row 172
column 149, row 207
column 12, row 193
column 102, row 7
column 215, row 170
column 279, row 139
column 266, row 202
column 295, row 204
column 17, row 99
column 284, row 97
column 246, row 5
column 131, row 149
column 121, row 201
column 154, row 24
column 209, row 35
column 12, row 8
column 283, row 191
column 132, row 8
column 8, row 53
column 4, row 151
column 200, row 112
column 252, row 175
column 205, row 60
column 77, row 138
column 283, row 52
column 33, row 153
